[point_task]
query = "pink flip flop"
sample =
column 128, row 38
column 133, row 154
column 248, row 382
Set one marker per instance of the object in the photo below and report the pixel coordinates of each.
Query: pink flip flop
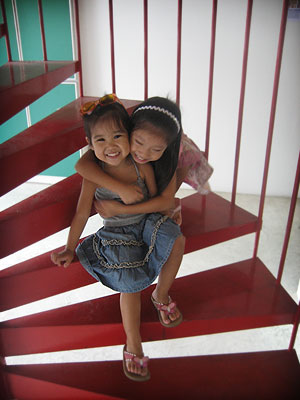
column 168, row 309
column 140, row 362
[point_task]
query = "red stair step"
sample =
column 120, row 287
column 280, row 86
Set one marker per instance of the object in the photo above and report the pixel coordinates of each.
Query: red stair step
column 36, row 285
column 39, row 216
column 23, row 82
column 260, row 376
column 44, row 144
column 41, row 146
column 24, row 388
column 207, row 220
column 37, row 263
column 238, row 296
column 55, row 206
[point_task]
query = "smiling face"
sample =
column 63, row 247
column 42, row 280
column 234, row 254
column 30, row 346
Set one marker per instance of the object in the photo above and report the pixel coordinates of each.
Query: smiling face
column 109, row 142
column 147, row 144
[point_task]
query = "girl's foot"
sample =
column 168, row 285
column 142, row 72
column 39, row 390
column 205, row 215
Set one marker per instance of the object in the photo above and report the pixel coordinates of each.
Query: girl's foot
column 135, row 367
column 168, row 313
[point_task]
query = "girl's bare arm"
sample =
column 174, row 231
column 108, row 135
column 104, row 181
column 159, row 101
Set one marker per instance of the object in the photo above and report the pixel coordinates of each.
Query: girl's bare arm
column 90, row 170
column 161, row 203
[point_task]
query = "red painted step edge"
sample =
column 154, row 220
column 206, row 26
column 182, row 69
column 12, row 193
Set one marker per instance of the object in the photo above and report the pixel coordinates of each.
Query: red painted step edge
column 242, row 295
column 55, row 207
column 26, row 388
column 20, row 80
column 44, row 144
column 263, row 375
column 39, row 216
column 207, row 220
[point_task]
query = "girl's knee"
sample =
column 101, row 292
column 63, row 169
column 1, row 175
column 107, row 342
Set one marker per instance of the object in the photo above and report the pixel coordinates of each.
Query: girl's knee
column 133, row 294
column 182, row 239
column 130, row 299
column 180, row 242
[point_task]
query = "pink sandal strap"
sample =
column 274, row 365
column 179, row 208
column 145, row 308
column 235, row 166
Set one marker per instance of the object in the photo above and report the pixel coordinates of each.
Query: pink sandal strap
column 139, row 362
column 167, row 308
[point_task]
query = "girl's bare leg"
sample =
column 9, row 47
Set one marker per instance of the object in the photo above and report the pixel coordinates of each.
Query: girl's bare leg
column 130, row 304
column 167, row 277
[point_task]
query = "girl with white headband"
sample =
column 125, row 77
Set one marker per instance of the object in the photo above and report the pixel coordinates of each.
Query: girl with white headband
column 156, row 137
column 131, row 250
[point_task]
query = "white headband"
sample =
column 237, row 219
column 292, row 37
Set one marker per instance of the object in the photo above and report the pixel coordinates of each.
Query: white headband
column 155, row 108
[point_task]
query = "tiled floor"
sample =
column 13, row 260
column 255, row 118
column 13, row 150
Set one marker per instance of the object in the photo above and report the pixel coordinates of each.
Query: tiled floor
column 271, row 241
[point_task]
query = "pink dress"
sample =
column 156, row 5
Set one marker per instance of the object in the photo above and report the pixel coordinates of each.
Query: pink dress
column 199, row 169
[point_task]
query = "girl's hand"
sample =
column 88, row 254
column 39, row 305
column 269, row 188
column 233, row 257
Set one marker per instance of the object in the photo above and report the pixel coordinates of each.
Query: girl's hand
column 131, row 194
column 108, row 208
column 64, row 258
column 176, row 217
column 175, row 212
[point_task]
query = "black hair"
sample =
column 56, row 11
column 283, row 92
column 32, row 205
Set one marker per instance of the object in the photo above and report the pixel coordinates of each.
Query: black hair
column 114, row 112
column 164, row 116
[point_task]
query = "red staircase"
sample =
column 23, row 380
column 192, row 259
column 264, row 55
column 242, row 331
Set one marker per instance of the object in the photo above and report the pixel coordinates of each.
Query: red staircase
column 18, row 79
column 238, row 376
column 243, row 295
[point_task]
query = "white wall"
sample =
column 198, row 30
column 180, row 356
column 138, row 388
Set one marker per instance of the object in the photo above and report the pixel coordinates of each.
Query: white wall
column 129, row 53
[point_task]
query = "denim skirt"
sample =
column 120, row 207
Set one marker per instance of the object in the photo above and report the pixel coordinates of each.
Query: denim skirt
column 129, row 258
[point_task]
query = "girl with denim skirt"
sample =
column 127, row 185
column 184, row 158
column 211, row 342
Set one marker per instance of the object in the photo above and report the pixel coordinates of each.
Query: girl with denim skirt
column 132, row 249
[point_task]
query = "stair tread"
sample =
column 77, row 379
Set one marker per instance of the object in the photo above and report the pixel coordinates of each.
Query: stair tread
column 35, row 389
column 218, row 221
column 207, row 220
column 62, row 135
column 19, row 80
column 57, row 136
column 20, row 225
column 260, row 375
column 211, row 219
column 242, row 295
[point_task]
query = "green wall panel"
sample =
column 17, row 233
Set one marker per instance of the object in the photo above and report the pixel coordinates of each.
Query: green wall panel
column 57, row 29
column 64, row 167
column 49, row 103
column 3, row 52
column 52, row 101
column 30, row 29
column 11, row 30
column 13, row 126
column 59, row 47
